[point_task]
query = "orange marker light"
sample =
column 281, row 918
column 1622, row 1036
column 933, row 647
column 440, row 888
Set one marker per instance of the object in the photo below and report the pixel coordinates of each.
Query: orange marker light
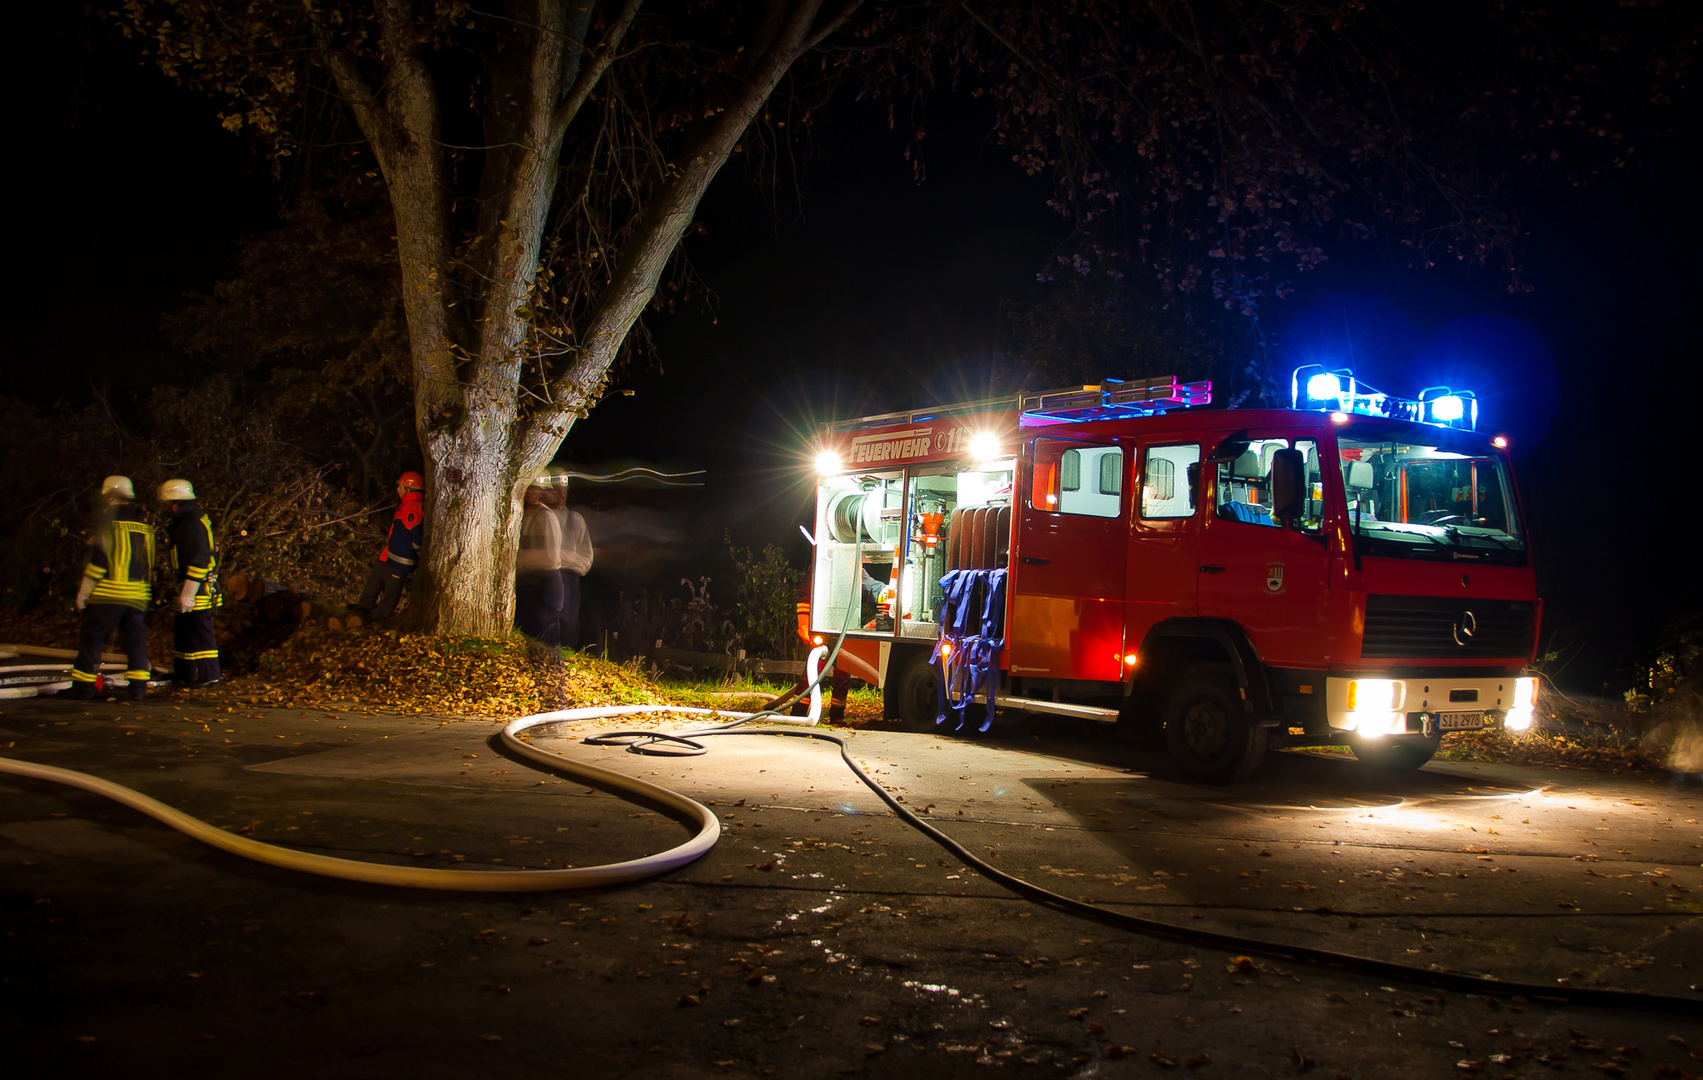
column 1131, row 659
column 1500, row 442
column 1339, row 418
column 945, row 649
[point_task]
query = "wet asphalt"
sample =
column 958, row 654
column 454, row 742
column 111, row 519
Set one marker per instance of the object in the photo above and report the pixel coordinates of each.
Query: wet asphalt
column 822, row 937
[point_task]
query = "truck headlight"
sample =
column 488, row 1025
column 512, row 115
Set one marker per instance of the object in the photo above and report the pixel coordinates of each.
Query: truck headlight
column 1374, row 695
column 1525, row 692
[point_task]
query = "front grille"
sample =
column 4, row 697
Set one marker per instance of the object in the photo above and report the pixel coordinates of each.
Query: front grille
column 1431, row 627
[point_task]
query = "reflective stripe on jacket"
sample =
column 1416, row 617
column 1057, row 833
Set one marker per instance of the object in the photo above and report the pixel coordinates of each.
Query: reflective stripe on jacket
column 121, row 560
column 193, row 553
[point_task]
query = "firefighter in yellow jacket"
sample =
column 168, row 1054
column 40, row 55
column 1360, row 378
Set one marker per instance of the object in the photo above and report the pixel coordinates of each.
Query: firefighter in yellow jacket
column 194, row 560
column 115, row 592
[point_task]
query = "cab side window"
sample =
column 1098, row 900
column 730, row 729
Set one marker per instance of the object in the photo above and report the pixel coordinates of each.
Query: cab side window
column 1167, row 488
column 1074, row 478
column 1244, row 489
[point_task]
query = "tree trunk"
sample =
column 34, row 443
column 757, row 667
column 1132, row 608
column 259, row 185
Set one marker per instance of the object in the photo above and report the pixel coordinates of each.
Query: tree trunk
column 480, row 449
column 473, row 512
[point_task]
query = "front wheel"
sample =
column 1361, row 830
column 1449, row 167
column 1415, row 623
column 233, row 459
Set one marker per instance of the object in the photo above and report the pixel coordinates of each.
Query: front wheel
column 1209, row 733
column 1395, row 753
column 911, row 695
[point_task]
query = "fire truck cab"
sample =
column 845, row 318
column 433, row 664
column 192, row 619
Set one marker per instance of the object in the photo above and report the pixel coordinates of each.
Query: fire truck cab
column 1354, row 570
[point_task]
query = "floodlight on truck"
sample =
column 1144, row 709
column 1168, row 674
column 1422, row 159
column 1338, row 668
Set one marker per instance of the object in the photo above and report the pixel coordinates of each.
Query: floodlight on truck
column 984, row 446
column 828, row 463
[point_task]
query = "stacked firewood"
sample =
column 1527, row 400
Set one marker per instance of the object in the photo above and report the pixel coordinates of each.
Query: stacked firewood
column 258, row 609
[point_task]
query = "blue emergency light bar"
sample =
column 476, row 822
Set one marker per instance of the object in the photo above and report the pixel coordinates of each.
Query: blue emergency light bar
column 1314, row 387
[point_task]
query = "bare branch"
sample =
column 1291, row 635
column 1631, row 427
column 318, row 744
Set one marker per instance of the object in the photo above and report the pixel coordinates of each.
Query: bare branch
column 589, row 74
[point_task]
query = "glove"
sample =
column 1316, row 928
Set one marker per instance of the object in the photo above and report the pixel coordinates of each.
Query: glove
column 83, row 591
column 186, row 595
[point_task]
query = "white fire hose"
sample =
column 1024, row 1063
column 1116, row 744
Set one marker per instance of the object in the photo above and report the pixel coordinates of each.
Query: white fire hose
column 588, row 877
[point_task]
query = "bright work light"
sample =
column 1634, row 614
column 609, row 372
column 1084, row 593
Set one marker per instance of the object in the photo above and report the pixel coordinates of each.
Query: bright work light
column 827, row 463
column 1447, row 409
column 1323, row 386
column 984, row 445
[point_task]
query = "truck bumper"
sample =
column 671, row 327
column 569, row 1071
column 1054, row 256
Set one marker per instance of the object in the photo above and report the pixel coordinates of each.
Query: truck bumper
column 1368, row 705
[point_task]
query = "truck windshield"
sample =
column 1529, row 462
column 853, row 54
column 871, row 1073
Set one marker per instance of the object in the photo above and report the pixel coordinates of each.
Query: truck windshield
column 1410, row 500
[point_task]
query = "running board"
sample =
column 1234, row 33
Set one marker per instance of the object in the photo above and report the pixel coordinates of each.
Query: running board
column 1059, row 708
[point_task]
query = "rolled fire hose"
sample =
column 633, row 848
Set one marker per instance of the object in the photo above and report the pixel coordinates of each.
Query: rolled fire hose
column 34, row 680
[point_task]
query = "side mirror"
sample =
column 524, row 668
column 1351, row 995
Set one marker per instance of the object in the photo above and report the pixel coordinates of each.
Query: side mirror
column 1288, row 487
column 1231, row 448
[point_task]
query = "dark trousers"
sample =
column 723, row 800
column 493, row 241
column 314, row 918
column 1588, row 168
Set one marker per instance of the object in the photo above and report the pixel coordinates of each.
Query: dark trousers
column 384, row 589
column 195, row 649
column 538, row 605
column 840, row 685
column 567, row 624
column 99, row 621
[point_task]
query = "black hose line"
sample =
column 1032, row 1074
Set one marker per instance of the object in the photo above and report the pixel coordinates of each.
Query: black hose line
column 685, row 745
column 1444, row 979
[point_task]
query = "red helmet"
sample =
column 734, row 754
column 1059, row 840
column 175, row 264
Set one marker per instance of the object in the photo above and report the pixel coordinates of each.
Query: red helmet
column 412, row 481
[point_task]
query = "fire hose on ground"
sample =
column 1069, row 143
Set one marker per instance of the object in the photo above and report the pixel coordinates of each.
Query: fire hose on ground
column 709, row 831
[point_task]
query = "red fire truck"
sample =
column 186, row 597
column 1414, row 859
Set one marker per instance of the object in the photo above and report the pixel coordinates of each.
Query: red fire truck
column 1353, row 570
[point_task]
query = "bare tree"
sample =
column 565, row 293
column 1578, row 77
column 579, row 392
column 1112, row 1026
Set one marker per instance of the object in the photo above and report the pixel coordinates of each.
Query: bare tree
column 543, row 160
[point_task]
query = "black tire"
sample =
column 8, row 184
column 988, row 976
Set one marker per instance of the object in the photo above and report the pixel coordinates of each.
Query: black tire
column 1395, row 753
column 1208, row 731
column 911, row 695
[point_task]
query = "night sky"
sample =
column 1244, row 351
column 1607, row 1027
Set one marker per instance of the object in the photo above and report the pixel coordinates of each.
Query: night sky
column 859, row 289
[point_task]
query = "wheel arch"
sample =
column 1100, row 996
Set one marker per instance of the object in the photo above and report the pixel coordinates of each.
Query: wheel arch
column 1170, row 646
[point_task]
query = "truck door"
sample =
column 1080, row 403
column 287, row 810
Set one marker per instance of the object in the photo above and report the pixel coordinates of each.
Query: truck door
column 1067, row 566
column 1164, row 548
column 1268, row 578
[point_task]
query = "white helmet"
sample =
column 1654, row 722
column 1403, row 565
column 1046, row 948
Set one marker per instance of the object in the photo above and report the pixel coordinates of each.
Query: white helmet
column 118, row 485
column 177, row 491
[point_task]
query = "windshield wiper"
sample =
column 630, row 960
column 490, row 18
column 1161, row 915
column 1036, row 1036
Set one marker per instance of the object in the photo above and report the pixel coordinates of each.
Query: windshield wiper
column 1455, row 531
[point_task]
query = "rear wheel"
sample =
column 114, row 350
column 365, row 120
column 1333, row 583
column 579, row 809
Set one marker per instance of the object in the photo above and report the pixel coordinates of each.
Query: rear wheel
column 911, row 695
column 1395, row 753
column 1208, row 731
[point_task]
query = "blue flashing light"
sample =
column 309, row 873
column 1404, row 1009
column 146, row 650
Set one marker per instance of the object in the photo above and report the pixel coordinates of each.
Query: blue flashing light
column 1448, row 408
column 1324, row 387
column 1314, row 388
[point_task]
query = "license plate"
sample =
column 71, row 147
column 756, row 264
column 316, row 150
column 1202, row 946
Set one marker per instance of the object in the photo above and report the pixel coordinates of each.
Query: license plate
column 1460, row 721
